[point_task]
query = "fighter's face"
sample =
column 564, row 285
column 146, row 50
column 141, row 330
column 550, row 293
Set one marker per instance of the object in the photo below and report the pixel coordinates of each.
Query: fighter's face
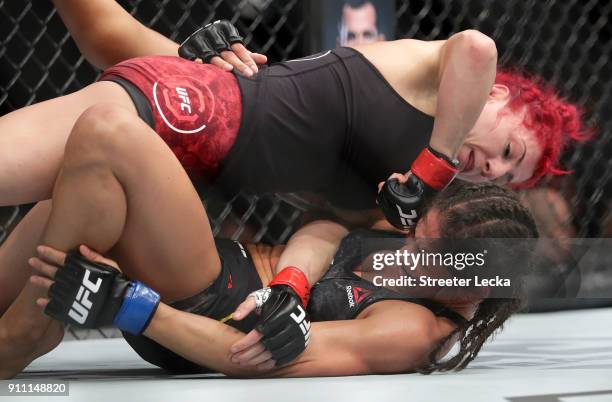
column 428, row 227
column 359, row 26
column 499, row 147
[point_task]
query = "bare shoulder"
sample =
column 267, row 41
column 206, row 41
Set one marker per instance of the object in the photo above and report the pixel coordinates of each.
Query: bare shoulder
column 411, row 332
column 405, row 314
column 411, row 68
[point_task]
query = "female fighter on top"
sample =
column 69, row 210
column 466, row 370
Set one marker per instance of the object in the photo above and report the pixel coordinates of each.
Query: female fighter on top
column 337, row 123
column 108, row 196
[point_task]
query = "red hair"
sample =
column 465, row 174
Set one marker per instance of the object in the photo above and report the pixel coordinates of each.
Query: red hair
column 553, row 120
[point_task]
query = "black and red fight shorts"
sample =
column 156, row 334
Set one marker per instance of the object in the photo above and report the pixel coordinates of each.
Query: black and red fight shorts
column 195, row 108
column 237, row 279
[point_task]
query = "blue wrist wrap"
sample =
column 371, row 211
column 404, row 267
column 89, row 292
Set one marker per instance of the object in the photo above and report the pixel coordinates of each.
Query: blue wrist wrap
column 139, row 305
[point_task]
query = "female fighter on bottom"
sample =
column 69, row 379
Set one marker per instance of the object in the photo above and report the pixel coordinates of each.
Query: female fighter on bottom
column 141, row 209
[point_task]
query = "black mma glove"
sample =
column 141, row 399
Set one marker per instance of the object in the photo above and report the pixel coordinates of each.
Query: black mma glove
column 284, row 323
column 210, row 40
column 90, row 295
column 402, row 204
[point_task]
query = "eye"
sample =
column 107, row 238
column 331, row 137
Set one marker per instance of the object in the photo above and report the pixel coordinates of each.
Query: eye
column 507, row 151
column 351, row 35
column 369, row 34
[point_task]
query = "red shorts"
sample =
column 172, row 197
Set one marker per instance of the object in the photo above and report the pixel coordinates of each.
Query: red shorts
column 195, row 108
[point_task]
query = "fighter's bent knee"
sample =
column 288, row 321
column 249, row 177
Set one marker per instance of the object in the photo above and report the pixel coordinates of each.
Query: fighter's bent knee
column 102, row 128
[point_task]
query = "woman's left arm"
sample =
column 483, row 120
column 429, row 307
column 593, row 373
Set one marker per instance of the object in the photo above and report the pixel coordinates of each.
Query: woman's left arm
column 466, row 73
column 381, row 340
column 199, row 339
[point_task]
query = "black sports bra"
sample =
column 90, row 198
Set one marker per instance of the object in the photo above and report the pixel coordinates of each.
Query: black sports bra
column 341, row 294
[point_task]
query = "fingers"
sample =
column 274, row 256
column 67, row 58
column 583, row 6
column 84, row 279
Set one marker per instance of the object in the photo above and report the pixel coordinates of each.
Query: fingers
column 245, row 308
column 42, row 302
column 232, row 59
column 259, row 58
column 222, row 64
column 94, row 256
column 261, row 359
column 246, row 56
column 246, row 342
column 253, row 356
column 269, row 365
column 42, row 267
column 51, row 255
column 402, row 178
column 41, row 282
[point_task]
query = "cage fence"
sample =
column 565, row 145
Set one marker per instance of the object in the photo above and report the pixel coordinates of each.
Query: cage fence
column 568, row 42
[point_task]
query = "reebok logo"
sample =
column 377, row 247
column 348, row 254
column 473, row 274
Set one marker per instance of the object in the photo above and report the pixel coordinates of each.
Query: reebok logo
column 81, row 305
column 349, row 294
column 356, row 295
column 304, row 324
column 359, row 294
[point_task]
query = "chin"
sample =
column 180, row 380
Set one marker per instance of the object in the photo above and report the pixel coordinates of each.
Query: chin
column 472, row 179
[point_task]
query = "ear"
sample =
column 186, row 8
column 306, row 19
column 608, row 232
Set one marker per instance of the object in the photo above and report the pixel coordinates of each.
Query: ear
column 499, row 92
column 381, row 37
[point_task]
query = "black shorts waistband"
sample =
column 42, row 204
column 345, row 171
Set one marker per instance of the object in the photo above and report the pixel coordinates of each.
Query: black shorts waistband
column 143, row 107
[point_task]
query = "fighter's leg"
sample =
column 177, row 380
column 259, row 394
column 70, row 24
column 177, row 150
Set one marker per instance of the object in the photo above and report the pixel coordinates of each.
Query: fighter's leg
column 122, row 189
column 32, row 140
column 123, row 192
column 22, row 340
column 15, row 251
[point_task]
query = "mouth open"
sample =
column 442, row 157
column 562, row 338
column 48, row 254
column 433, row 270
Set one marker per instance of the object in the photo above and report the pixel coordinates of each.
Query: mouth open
column 469, row 166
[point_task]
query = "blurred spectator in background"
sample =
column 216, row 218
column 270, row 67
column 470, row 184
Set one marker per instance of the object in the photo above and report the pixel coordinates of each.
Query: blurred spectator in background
column 551, row 211
column 359, row 24
column 607, row 223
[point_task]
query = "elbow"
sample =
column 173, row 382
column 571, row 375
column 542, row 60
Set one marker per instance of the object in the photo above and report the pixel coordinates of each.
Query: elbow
column 478, row 49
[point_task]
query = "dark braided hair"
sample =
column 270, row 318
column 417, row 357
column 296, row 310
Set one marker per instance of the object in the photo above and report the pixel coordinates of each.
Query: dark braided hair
column 485, row 210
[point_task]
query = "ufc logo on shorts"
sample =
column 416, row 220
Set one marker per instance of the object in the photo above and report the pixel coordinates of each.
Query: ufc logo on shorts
column 185, row 103
column 81, row 305
column 407, row 219
column 304, row 324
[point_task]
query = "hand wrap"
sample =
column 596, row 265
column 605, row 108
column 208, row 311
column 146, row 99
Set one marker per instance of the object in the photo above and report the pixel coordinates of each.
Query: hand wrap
column 284, row 323
column 403, row 204
column 209, row 41
column 91, row 295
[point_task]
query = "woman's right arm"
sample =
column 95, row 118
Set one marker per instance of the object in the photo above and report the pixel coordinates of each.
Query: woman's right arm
column 312, row 248
column 383, row 341
column 106, row 34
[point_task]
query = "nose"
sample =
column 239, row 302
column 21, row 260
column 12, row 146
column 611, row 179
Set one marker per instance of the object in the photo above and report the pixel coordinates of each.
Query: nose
column 494, row 168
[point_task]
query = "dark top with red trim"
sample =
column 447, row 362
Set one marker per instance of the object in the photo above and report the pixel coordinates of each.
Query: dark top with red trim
column 341, row 294
column 328, row 123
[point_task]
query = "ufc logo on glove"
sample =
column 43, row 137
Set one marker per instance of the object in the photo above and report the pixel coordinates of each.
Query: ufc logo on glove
column 81, row 305
column 304, row 324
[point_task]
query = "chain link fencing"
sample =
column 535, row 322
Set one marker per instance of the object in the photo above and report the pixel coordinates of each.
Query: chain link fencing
column 568, row 42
